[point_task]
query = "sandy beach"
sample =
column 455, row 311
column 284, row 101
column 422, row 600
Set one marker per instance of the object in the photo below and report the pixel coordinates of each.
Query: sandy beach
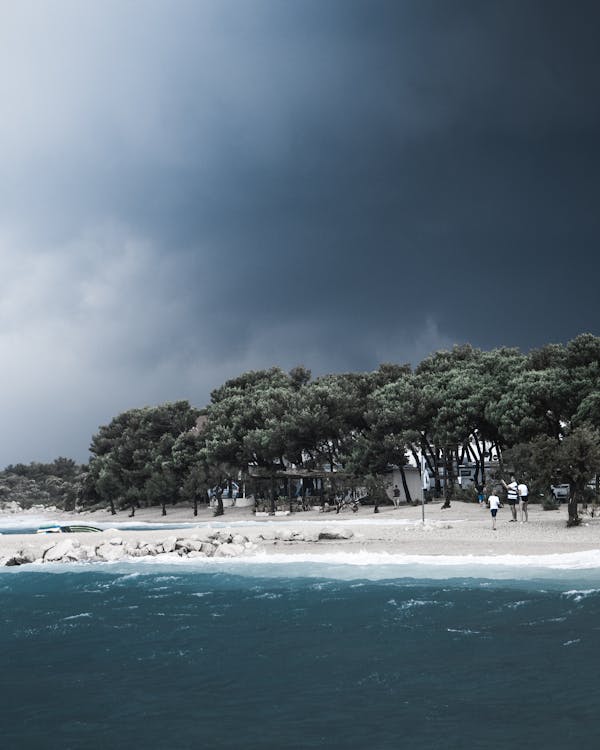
column 462, row 530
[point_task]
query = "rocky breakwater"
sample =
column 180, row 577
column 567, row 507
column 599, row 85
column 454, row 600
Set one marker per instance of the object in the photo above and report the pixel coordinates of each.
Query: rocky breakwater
column 112, row 547
column 301, row 535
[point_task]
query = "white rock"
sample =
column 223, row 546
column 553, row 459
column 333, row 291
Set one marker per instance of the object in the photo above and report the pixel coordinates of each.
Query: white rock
column 223, row 537
column 195, row 545
column 169, row 544
column 311, row 536
column 188, row 544
column 208, row 548
column 229, row 550
column 336, row 534
column 202, row 536
column 115, row 540
column 132, row 550
column 64, row 550
column 11, row 507
column 28, row 554
column 110, row 552
column 268, row 535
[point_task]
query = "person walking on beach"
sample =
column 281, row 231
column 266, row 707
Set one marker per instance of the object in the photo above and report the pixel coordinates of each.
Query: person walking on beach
column 512, row 495
column 494, row 502
column 480, row 494
column 396, row 496
column 523, row 491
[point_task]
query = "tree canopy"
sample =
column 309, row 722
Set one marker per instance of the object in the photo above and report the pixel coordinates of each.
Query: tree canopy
column 539, row 411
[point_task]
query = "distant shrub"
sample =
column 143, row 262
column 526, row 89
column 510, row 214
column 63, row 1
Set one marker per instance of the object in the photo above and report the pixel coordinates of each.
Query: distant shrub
column 467, row 495
column 550, row 503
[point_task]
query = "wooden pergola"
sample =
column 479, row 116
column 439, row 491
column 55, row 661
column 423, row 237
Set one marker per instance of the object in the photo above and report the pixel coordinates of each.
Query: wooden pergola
column 318, row 478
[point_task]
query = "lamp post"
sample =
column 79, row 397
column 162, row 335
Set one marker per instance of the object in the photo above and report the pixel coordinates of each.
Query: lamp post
column 424, row 486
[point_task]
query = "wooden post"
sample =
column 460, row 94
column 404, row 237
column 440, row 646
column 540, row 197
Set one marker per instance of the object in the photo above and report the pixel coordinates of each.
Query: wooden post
column 273, row 495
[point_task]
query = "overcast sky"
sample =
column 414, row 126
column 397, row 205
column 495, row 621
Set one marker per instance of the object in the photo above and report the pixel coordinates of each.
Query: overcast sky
column 189, row 190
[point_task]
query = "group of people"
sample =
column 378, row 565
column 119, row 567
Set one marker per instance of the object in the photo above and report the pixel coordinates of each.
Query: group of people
column 517, row 494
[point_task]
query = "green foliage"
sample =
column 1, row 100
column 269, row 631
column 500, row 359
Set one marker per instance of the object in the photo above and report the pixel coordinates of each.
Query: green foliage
column 573, row 460
column 132, row 460
column 555, row 390
column 466, row 495
column 540, row 411
column 550, row 503
column 58, row 483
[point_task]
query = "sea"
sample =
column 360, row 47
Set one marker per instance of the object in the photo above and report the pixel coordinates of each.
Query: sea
column 339, row 651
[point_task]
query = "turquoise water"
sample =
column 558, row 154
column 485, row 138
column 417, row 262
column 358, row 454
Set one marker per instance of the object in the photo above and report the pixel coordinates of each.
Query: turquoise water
column 297, row 656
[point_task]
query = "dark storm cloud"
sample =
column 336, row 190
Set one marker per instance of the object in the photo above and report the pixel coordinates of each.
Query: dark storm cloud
column 191, row 189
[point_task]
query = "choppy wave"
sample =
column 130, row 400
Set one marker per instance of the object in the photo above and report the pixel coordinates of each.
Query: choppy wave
column 343, row 664
column 576, row 574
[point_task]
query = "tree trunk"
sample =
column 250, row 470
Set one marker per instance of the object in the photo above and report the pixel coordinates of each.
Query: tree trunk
column 448, row 478
column 479, row 462
column 195, row 504
column 113, row 512
column 416, row 458
column 219, row 511
column 499, row 454
column 132, row 514
column 574, row 519
column 438, row 481
column 164, row 508
column 432, row 464
column 405, row 485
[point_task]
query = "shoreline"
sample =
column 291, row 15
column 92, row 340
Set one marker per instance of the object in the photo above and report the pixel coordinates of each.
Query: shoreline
column 463, row 531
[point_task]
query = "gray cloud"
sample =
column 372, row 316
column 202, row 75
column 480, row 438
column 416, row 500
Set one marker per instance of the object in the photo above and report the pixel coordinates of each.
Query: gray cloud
column 191, row 189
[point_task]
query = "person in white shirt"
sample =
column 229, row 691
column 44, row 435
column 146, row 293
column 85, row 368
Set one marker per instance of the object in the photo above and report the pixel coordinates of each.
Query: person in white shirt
column 523, row 497
column 494, row 502
column 512, row 495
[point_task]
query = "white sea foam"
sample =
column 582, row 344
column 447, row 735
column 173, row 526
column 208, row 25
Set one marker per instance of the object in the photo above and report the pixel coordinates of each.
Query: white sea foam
column 573, row 568
column 79, row 616
column 584, row 560
column 578, row 596
column 463, row 631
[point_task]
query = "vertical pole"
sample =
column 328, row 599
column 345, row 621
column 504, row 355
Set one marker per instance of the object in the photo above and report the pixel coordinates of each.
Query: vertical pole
column 424, row 479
